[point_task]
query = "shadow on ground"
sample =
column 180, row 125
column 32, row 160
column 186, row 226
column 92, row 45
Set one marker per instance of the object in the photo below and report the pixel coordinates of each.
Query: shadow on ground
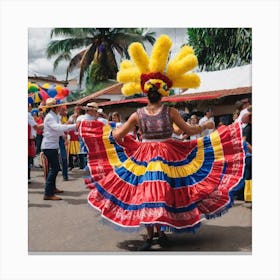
column 207, row 239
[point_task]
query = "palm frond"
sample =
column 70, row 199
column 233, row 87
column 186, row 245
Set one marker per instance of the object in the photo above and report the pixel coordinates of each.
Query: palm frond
column 61, row 57
column 66, row 45
column 72, row 32
column 86, row 60
column 75, row 61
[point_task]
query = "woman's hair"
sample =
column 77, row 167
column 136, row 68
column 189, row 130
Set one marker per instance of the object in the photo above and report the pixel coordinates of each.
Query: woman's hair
column 116, row 114
column 153, row 95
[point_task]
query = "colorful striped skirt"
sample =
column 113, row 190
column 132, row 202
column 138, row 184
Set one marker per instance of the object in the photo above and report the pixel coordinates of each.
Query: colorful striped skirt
column 170, row 183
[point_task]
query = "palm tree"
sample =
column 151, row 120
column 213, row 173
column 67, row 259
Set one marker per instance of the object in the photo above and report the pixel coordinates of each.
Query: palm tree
column 221, row 48
column 96, row 49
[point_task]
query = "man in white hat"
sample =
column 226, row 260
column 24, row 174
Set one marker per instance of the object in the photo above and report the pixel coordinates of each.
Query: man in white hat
column 53, row 129
column 91, row 114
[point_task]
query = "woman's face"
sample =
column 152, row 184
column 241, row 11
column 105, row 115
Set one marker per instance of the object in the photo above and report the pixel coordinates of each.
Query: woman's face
column 193, row 120
column 115, row 118
column 77, row 110
column 234, row 116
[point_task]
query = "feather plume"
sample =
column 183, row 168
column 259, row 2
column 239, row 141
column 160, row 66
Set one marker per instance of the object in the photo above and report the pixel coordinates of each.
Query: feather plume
column 160, row 54
column 140, row 57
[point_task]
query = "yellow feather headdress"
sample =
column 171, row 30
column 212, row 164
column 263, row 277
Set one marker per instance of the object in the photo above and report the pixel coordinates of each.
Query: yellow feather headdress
column 141, row 72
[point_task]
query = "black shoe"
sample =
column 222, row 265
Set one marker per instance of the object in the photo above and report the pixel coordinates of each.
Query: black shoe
column 147, row 245
column 163, row 240
column 66, row 179
column 70, row 168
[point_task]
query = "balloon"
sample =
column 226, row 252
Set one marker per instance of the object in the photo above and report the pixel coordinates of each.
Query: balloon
column 65, row 92
column 59, row 97
column 44, row 95
column 52, row 92
column 46, row 86
column 58, row 89
column 33, row 88
column 37, row 97
column 30, row 100
column 62, row 94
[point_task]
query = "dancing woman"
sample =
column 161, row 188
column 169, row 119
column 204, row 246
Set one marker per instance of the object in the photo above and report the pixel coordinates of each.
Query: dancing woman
column 160, row 181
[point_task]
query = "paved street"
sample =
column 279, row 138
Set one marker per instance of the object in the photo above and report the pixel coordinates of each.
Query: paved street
column 72, row 226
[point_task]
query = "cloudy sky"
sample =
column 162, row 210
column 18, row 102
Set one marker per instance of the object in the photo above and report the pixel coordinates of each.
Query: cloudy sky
column 38, row 39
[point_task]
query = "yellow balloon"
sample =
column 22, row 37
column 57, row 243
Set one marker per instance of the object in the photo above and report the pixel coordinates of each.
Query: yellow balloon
column 46, row 85
column 29, row 84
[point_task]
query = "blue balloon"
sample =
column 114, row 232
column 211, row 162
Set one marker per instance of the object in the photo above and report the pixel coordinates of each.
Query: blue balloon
column 52, row 92
column 30, row 100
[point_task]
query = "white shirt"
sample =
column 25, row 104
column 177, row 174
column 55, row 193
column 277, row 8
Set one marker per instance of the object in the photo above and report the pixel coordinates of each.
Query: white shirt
column 52, row 130
column 88, row 117
column 241, row 114
column 32, row 123
column 196, row 136
column 202, row 121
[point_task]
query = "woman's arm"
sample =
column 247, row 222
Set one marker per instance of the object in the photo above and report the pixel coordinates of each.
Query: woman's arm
column 121, row 131
column 186, row 127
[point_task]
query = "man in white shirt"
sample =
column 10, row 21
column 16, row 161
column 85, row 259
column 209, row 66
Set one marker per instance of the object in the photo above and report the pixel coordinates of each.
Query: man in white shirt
column 245, row 104
column 207, row 117
column 53, row 129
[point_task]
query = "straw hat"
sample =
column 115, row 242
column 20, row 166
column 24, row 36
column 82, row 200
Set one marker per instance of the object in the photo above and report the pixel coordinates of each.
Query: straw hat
column 91, row 105
column 52, row 102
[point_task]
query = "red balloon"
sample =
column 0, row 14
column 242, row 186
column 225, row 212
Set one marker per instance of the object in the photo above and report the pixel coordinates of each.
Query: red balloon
column 61, row 94
column 65, row 91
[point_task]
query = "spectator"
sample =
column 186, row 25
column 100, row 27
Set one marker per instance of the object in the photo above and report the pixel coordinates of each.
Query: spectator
column 245, row 104
column 235, row 115
column 74, row 145
column 116, row 118
column 63, row 142
column 208, row 116
column 194, row 121
column 50, row 144
column 91, row 113
column 247, row 137
column 32, row 127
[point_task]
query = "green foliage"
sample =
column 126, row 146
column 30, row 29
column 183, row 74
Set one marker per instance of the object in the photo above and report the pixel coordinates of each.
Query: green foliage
column 221, row 48
column 74, row 95
column 97, row 46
